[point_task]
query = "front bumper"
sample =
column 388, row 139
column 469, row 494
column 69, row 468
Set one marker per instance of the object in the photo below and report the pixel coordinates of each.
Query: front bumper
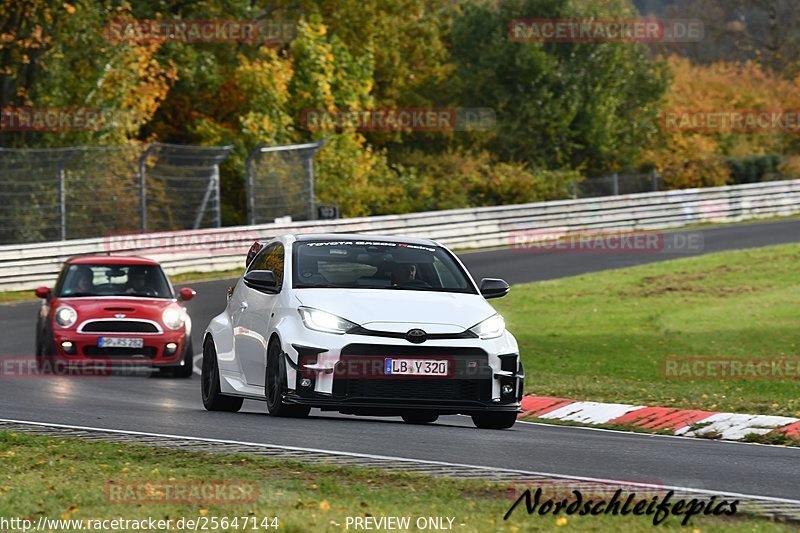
column 348, row 375
column 85, row 348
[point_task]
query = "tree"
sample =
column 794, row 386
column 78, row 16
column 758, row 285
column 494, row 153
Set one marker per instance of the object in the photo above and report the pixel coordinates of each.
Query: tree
column 694, row 157
column 581, row 105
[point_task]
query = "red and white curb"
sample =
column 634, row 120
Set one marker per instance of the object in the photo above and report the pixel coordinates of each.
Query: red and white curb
column 686, row 422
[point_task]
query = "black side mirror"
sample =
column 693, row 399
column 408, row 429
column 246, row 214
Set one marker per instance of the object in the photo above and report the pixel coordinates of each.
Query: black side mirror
column 493, row 288
column 261, row 280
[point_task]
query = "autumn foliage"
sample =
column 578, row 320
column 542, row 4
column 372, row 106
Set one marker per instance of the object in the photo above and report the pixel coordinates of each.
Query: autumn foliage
column 564, row 111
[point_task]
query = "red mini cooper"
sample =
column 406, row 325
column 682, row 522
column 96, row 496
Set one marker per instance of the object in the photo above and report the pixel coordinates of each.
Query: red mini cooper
column 117, row 310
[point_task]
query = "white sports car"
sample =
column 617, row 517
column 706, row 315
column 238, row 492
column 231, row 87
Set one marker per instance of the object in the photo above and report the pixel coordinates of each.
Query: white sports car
column 364, row 325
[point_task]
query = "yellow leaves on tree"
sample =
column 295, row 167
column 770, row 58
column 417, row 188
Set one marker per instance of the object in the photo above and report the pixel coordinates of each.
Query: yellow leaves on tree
column 137, row 83
column 695, row 158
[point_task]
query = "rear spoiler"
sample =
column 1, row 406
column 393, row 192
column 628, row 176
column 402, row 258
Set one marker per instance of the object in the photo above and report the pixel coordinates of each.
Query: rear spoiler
column 252, row 252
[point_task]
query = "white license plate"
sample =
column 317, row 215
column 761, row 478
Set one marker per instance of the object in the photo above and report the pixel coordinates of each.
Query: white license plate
column 415, row 367
column 120, row 342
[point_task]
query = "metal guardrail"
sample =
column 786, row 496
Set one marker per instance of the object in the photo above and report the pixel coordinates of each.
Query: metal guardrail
column 27, row 266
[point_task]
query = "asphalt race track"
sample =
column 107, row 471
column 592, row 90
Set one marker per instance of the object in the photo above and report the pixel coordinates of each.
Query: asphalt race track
column 173, row 407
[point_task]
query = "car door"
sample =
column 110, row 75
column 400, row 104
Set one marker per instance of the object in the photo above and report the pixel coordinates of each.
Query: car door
column 252, row 316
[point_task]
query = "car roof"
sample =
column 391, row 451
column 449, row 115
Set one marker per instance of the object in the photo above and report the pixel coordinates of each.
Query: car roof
column 362, row 237
column 110, row 260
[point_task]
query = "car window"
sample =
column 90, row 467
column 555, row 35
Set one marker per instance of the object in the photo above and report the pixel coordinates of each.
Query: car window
column 81, row 280
column 270, row 258
column 377, row 265
column 344, row 272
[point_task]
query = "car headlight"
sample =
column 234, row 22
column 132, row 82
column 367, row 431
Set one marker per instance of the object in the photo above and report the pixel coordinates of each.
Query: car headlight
column 323, row 321
column 66, row 316
column 173, row 317
column 491, row 328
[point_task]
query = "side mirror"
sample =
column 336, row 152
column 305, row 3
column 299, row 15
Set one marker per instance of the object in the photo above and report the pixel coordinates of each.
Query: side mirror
column 261, row 280
column 187, row 294
column 494, row 288
column 42, row 292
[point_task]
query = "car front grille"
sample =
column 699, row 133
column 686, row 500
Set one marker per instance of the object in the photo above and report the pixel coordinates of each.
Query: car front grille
column 148, row 352
column 469, row 379
column 417, row 389
column 119, row 326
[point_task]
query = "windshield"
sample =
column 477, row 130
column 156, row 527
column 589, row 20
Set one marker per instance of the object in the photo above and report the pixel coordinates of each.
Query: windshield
column 377, row 265
column 147, row 281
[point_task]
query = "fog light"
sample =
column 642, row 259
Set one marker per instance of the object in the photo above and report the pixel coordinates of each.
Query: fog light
column 171, row 347
column 67, row 346
column 507, row 389
column 305, row 382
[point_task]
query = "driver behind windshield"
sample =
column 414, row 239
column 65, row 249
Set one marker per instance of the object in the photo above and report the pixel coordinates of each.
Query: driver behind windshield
column 403, row 273
column 138, row 283
column 82, row 281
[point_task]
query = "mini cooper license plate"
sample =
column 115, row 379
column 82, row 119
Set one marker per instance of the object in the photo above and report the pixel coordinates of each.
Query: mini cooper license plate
column 120, row 342
column 416, row 367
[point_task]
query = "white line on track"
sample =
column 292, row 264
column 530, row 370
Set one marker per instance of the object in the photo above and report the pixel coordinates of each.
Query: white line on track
column 410, row 460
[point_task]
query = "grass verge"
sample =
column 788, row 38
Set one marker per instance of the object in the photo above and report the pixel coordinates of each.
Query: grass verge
column 603, row 336
column 73, row 479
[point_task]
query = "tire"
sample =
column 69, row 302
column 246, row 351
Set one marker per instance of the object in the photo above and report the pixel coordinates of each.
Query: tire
column 44, row 358
column 213, row 400
column 420, row 418
column 185, row 371
column 275, row 385
column 495, row 419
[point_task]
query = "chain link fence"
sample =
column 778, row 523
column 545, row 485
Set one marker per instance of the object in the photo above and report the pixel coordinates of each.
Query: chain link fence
column 79, row 192
column 280, row 183
column 616, row 184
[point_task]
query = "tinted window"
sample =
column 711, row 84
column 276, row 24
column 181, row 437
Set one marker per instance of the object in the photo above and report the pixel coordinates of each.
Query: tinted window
column 147, row 281
column 377, row 265
column 270, row 258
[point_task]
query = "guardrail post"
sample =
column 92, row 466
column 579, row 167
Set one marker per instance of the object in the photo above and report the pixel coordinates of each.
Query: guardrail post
column 62, row 194
column 309, row 164
column 218, row 200
column 62, row 203
column 143, row 188
column 654, row 175
column 248, row 182
column 311, row 208
column 615, row 184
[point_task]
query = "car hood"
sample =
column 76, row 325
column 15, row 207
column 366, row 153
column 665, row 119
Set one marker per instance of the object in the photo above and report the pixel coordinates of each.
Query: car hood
column 110, row 307
column 400, row 310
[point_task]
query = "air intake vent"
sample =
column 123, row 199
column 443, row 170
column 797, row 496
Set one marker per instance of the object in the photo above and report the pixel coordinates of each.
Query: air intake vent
column 119, row 326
